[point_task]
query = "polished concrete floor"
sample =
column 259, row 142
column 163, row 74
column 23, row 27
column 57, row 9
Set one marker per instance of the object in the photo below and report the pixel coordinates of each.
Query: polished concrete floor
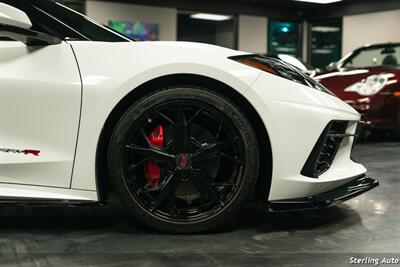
column 367, row 227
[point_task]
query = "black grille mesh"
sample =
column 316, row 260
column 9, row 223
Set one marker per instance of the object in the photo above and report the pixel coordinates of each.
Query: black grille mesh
column 324, row 152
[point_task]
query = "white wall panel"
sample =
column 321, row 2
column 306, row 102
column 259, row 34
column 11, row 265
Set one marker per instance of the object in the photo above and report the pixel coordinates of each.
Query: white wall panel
column 377, row 27
column 165, row 17
column 253, row 34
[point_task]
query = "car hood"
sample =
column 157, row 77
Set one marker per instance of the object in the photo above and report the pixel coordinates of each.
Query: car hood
column 337, row 82
column 190, row 47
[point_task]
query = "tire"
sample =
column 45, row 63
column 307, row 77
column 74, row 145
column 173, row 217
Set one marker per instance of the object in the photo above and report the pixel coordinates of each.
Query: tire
column 201, row 174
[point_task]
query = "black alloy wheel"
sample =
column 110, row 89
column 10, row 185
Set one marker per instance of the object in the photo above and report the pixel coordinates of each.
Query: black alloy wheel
column 183, row 159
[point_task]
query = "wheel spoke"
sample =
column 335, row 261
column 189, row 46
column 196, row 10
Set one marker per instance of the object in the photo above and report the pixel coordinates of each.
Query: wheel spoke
column 145, row 190
column 151, row 153
column 181, row 131
column 194, row 116
column 202, row 181
column 219, row 130
column 195, row 142
column 224, row 187
column 145, row 137
column 233, row 159
column 133, row 166
column 224, row 184
column 166, row 118
column 212, row 150
column 169, row 145
column 167, row 189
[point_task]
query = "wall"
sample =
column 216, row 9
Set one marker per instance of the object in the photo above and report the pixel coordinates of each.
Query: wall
column 165, row 17
column 370, row 28
column 225, row 34
column 304, row 31
column 252, row 30
column 252, row 34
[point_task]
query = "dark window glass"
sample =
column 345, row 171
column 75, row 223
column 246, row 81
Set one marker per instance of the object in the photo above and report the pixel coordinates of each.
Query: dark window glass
column 374, row 56
column 204, row 28
column 42, row 22
column 284, row 38
column 77, row 6
column 53, row 18
column 87, row 27
column 325, row 42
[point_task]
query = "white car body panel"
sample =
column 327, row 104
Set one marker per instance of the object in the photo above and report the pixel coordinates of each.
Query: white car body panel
column 123, row 67
column 294, row 115
column 13, row 16
column 67, row 86
column 40, row 99
column 28, row 192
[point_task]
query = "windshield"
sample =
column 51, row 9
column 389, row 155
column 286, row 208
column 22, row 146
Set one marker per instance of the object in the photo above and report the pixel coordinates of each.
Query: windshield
column 87, row 28
column 374, row 56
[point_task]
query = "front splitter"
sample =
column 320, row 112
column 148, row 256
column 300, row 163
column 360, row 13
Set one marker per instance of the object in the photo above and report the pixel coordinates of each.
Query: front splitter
column 330, row 198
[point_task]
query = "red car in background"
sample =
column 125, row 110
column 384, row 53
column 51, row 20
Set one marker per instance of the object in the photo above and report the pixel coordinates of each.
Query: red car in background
column 369, row 80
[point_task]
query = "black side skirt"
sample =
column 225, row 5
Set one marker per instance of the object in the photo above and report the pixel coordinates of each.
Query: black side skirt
column 330, row 198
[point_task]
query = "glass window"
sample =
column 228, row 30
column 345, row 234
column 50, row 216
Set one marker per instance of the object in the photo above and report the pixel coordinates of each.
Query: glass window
column 207, row 28
column 373, row 56
column 85, row 26
column 284, row 38
column 325, row 43
column 77, row 6
column 53, row 18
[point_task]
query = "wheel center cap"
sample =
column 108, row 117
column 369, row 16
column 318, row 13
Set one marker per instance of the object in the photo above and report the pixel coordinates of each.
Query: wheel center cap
column 184, row 162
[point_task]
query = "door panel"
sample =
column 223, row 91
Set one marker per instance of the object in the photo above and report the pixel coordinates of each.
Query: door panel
column 40, row 101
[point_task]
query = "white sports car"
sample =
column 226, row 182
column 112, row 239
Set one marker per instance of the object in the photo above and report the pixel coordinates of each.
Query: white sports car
column 183, row 133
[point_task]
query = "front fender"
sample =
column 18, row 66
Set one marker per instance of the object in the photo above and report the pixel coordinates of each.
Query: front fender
column 108, row 77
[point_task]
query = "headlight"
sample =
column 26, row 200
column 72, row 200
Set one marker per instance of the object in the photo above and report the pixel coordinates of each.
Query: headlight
column 280, row 68
column 370, row 86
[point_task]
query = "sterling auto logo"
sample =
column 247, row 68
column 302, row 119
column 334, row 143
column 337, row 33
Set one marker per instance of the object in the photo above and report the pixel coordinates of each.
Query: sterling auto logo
column 17, row 151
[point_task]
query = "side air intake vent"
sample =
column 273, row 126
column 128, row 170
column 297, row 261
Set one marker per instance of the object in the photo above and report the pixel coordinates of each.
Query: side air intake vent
column 324, row 152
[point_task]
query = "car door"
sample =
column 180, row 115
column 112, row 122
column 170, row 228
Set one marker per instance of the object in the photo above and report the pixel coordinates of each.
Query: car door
column 40, row 103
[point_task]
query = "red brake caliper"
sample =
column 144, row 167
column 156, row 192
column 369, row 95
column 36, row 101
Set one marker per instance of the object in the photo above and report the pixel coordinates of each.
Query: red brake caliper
column 152, row 170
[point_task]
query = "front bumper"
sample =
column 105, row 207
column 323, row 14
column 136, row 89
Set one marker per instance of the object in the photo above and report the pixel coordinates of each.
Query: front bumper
column 330, row 198
column 295, row 116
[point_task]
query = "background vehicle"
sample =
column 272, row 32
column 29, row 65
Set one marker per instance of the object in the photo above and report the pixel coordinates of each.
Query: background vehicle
column 181, row 132
column 368, row 80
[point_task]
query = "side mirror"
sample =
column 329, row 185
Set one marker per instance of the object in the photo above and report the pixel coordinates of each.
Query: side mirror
column 12, row 16
column 15, row 24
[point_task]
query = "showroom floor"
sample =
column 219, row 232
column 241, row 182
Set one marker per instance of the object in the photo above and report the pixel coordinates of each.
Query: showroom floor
column 99, row 237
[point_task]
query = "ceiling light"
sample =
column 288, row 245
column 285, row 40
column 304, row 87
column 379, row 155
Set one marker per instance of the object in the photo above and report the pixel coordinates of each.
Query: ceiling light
column 319, row 1
column 207, row 16
column 325, row 29
column 285, row 29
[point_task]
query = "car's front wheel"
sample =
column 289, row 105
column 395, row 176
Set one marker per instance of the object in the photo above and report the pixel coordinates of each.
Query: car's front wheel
column 183, row 159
